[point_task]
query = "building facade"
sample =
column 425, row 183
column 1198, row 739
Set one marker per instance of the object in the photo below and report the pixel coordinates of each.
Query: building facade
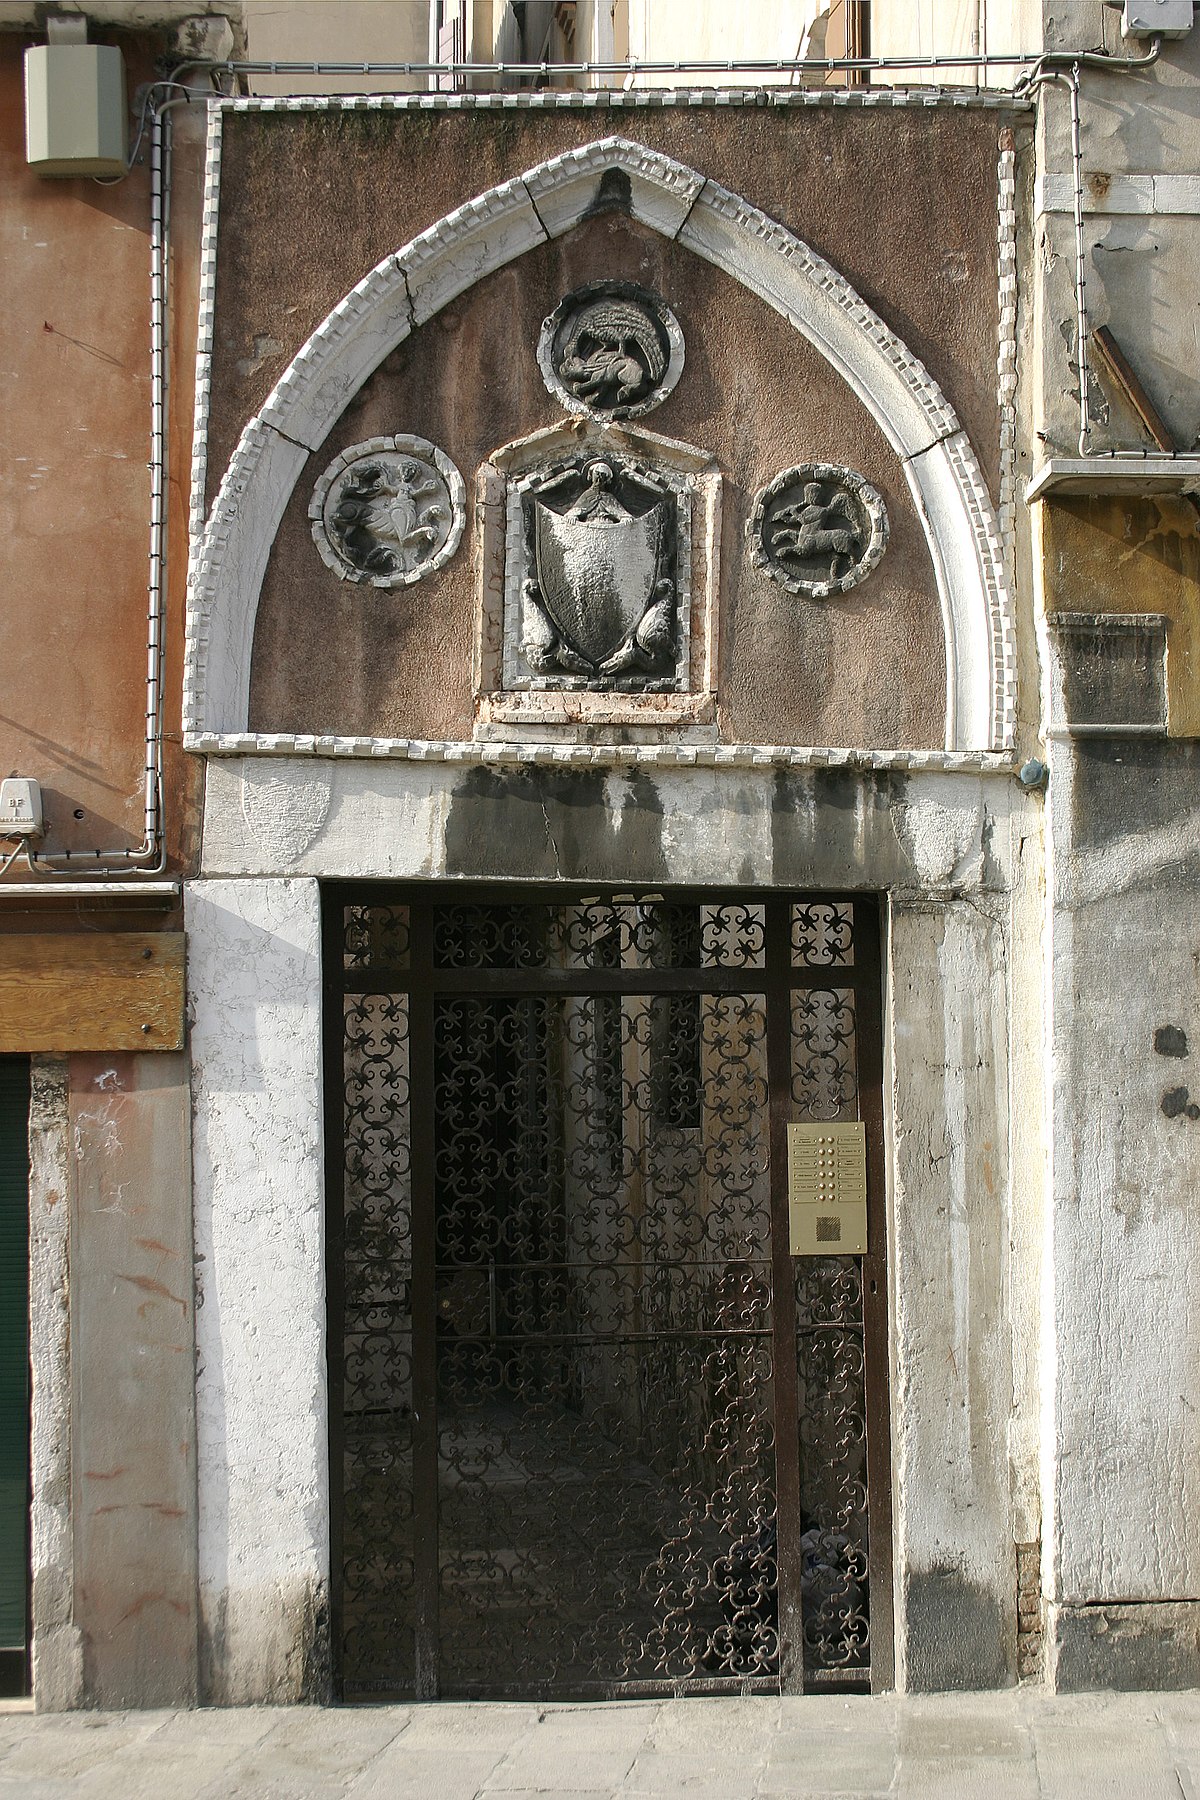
column 626, row 1126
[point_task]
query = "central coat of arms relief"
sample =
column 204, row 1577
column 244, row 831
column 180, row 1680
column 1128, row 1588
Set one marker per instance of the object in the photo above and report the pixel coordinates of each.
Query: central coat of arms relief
column 597, row 578
column 600, row 603
column 600, row 540
column 598, row 526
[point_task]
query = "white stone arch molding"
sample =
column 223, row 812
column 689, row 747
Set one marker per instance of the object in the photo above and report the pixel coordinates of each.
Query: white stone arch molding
column 229, row 557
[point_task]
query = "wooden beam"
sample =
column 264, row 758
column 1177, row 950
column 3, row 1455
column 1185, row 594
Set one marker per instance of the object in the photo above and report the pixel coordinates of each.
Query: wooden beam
column 1124, row 378
column 91, row 990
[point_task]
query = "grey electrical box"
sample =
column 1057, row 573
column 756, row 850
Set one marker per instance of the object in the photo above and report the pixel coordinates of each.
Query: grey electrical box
column 1155, row 18
column 75, row 109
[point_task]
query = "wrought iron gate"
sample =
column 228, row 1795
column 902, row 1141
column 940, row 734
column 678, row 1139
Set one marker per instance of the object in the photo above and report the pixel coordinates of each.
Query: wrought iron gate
column 594, row 1429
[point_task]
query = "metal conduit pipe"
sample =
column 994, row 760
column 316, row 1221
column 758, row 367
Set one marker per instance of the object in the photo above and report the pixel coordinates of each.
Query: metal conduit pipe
column 784, row 66
column 1082, row 326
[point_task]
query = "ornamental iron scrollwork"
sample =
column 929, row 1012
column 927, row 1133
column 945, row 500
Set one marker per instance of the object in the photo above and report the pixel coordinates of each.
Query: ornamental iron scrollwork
column 822, row 934
column 584, row 1224
column 818, row 529
column 388, row 511
column 611, row 350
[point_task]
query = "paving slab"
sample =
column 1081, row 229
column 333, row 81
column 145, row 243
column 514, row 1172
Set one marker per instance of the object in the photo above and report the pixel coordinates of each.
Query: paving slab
column 310, row 1753
column 730, row 1725
column 828, row 1762
column 65, row 1746
column 576, row 1752
column 454, row 1725
column 425, row 1773
column 240, row 1727
column 1001, row 1780
column 1022, row 1745
column 138, row 1772
column 1098, row 1762
column 671, row 1774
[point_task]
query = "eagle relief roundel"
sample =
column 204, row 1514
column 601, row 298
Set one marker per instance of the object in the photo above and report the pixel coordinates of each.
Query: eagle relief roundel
column 611, row 350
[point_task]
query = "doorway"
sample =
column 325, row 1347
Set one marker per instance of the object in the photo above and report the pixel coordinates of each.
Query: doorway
column 595, row 1429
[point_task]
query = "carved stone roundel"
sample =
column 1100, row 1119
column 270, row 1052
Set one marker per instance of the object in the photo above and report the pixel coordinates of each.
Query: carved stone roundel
column 818, row 529
column 611, row 351
column 388, row 511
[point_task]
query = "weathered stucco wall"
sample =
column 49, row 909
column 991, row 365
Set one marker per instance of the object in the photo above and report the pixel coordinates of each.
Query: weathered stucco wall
column 1123, row 1446
column 74, row 507
column 132, row 1355
column 1126, row 1167
column 112, row 1358
column 1104, row 553
column 1119, row 1449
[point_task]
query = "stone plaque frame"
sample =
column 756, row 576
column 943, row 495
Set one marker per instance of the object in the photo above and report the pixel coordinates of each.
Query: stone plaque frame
column 512, row 700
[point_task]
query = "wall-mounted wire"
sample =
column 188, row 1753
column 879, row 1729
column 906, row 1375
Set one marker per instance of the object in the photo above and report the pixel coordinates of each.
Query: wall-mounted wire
column 11, row 858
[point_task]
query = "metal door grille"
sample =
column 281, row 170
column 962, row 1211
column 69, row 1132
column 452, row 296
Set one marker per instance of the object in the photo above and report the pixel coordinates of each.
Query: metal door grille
column 595, row 1431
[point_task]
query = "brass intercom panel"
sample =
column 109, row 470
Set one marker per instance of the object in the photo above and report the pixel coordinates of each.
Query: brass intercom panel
column 827, row 1189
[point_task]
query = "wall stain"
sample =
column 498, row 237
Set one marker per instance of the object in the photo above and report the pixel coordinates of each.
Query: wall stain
column 149, row 1286
column 550, row 825
column 958, row 1636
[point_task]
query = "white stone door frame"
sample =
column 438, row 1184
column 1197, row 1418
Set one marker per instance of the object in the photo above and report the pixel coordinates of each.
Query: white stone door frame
column 256, row 998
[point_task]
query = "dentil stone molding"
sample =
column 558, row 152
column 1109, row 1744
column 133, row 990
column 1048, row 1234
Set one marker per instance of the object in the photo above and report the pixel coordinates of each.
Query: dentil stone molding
column 229, row 558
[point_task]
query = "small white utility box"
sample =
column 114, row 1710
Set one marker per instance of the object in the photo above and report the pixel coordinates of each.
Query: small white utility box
column 20, row 807
column 75, row 109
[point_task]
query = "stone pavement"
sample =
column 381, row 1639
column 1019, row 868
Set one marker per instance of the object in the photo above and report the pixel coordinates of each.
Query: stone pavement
column 1012, row 1746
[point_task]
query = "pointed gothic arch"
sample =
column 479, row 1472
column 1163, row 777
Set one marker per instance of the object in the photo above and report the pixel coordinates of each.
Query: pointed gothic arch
column 230, row 554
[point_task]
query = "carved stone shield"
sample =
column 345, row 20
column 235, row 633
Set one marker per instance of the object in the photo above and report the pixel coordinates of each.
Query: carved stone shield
column 597, row 574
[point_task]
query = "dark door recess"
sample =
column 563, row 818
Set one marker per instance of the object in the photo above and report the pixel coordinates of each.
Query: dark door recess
column 596, row 1431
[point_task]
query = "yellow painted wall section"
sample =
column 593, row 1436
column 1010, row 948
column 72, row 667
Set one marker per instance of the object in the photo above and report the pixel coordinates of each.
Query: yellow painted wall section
column 348, row 31
column 1109, row 554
